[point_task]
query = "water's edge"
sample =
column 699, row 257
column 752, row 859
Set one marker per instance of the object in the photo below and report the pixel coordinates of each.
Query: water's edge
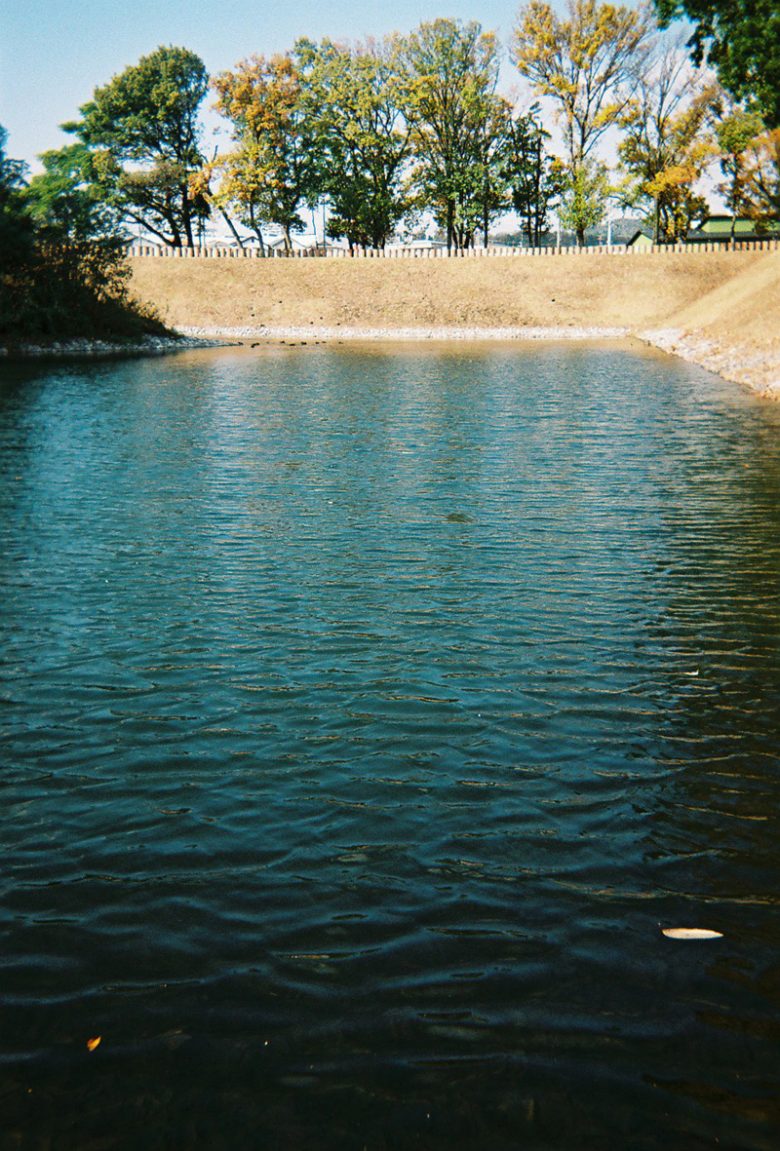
column 753, row 370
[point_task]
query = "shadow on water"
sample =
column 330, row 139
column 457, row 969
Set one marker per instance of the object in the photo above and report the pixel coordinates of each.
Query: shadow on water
column 366, row 717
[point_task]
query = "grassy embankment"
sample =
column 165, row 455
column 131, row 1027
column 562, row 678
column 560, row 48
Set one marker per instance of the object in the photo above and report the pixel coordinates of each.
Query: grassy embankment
column 721, row 309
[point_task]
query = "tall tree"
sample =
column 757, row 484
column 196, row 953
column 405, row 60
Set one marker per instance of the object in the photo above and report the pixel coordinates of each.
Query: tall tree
column 534, row 176
column 62, row 270
column 274, row 169
column 667, row 143
column 65, row 198
column 16, row 226
column 228, row 184
column 145, row 121
column 735, row 131
column 589, row 64
column 355, row 101
column 741, row 40
column 762, row 177
column 457, row 123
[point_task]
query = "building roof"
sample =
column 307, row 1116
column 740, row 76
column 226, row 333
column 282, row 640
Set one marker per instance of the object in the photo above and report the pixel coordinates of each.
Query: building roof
column 296, row 242
column 744, row 228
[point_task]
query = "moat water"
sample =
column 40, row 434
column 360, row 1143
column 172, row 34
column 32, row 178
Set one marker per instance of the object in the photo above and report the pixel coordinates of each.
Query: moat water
column 364, row 718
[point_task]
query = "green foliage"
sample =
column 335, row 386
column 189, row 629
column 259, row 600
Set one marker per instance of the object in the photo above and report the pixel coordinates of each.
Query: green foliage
column 667, row 143
column 741, row 40
column 16, row 227
column 534, row 177
column 142, row 128
column 274, row 170
column 62, row 269
column 65, row 198
column 586, row 190
column 458, row 123
column 381, row 131
column 354, row 98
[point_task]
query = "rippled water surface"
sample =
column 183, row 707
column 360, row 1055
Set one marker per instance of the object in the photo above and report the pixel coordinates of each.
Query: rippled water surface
column 364, row 716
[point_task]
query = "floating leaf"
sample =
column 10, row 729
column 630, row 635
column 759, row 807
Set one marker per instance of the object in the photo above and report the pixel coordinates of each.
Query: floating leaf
column 691, row 933
column 94, row 1042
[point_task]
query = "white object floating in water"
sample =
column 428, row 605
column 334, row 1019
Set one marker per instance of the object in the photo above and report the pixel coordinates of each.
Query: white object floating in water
column 696, row 672
column 691, row 933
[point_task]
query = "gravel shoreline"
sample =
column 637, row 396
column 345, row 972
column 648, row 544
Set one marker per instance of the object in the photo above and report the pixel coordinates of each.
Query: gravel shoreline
column 347, row 333
column 753, row 369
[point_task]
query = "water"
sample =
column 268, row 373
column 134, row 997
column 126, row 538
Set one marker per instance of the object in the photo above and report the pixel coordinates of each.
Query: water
column 364, row 716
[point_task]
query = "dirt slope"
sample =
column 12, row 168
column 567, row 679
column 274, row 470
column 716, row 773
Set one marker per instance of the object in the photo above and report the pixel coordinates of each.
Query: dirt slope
column 734, row 329
column 631, row 291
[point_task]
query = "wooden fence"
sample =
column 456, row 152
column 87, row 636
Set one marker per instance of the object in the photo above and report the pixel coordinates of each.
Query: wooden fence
column 223, row 251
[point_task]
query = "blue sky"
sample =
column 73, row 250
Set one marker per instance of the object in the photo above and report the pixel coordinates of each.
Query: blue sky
column 53, row 53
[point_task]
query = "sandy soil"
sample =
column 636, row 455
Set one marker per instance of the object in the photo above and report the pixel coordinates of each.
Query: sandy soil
column 721, row 309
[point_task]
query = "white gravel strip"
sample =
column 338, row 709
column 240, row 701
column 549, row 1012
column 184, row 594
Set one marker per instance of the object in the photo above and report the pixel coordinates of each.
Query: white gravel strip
column 759, row 371
column 313, row 332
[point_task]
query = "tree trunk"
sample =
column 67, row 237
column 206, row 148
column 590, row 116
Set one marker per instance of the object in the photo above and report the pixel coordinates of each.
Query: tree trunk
column 580, row 237
column 256, row 228
column 187, row 217
column 232, row 227
column 537, row 193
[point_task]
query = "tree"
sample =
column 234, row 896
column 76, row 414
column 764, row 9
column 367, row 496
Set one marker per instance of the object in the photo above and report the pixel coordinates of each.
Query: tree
column 16, row 226
column 65, row 198
column 735, row 132
column 61, row 273
column 740, row 39
column 491, row 187
column 80, row 234
column 667, row 145
column 534, row 177
column 143, row 127
column 273, row 172
column 457, row 124
column 354, row 97
column 584, row 197
column 589, row 64
column 762, row 177
column 236, row 190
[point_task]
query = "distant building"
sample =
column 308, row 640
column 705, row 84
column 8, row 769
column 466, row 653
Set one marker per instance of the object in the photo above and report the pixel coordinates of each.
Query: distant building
column 418, row 245
column 641, row 241
column 298, row 244
column 717, row 230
